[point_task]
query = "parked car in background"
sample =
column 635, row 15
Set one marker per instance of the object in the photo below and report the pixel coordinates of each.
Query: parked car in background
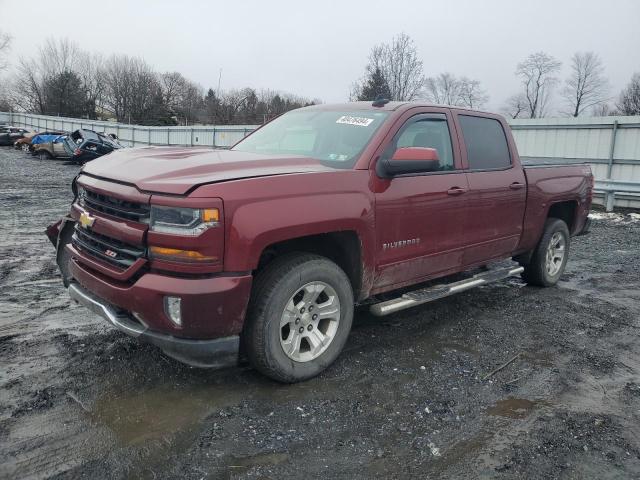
column 50, row 146
column 26, row 143
column 8, row 134
column 85, row 145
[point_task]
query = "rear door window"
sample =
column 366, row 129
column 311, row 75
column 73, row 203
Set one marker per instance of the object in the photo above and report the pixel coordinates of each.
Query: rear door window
column 486, row 143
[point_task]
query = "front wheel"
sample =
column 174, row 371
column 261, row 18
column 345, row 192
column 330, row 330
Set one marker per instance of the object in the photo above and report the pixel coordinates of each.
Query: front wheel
column 549, row 259
column 299, row 317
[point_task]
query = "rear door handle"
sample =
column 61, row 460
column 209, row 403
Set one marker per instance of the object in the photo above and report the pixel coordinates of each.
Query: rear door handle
column 455, row 191
column 516, row 186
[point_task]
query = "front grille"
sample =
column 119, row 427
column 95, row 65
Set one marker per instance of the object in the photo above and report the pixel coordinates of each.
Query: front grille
column 107, row 249
column 134, row 211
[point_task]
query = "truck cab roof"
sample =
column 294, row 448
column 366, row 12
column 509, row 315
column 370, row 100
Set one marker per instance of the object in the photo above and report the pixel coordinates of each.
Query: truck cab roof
column 392, row 106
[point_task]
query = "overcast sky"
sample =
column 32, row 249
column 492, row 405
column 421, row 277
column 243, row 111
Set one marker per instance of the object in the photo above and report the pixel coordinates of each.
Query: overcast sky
column 318, row 48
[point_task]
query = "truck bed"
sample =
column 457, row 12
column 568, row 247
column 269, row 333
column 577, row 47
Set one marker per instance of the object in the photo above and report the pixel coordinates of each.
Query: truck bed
column 548, row 184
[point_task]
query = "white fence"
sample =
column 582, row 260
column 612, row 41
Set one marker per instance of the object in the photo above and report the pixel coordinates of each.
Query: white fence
column 136, row 135
column 611, row 145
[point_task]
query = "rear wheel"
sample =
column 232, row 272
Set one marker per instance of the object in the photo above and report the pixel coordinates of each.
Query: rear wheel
column 549, row 259
column 44, row 155
column 299, row 317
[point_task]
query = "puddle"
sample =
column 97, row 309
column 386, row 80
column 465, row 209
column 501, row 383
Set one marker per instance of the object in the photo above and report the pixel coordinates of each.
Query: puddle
column 161, row 421
column 153, row 414
column 160, row 413
column 515, row 407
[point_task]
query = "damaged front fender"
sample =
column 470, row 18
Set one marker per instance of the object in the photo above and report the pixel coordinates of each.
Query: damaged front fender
column 53, row 231
column 59, row 233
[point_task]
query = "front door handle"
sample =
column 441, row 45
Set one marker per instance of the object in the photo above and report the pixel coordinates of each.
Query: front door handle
column 455, row 191
column 516, row 186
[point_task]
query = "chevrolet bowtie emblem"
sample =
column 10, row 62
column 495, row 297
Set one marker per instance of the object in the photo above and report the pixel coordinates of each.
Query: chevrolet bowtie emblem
column 86, row 220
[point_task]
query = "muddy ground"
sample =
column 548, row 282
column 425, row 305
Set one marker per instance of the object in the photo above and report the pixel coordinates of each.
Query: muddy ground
column 407, row 399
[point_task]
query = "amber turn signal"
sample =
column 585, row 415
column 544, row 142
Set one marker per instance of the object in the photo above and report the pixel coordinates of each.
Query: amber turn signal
column 210, row 215
column 178, row 255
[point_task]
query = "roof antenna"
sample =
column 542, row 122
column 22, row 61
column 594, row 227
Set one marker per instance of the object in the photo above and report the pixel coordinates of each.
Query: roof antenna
column 380, row 101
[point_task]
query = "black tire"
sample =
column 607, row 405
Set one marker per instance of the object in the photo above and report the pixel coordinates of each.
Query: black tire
column 44, row 155
column 535, row 271
column 272, row 290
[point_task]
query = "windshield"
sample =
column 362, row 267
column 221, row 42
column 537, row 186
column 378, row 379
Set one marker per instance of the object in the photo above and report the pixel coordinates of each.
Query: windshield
column 335, row 138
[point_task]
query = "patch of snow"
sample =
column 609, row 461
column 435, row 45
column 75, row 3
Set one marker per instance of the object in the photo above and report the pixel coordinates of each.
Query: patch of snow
column 613, row 217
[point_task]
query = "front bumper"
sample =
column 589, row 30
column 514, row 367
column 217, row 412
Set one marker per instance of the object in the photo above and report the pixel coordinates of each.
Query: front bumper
column 216, row 353
column 212, row 306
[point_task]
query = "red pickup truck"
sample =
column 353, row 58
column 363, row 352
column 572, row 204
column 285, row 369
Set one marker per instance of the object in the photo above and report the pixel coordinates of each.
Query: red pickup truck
column 260, row 252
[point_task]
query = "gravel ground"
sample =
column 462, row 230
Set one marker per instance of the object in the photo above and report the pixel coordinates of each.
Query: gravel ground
column 407, row 399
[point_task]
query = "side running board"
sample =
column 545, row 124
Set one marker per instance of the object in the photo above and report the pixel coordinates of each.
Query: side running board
column 424, row 295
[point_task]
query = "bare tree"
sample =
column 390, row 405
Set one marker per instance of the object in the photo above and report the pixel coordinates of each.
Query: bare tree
column 516, row 106
column 58, row 56
column 586, row 86
column 5, row 46
column 90, row 70
column 400, row 67
column 27, row 89
column 537, row 75
column 629, row 102
column 61, row 75
column 133, row 92
column 472, row 95
column 183, row 97
column 447, row 89
column 443, row 89
column 62, row 79
column 173, row 85
column 601, row 110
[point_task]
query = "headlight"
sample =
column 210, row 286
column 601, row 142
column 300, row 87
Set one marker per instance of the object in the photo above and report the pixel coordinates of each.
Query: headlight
column 183, row 221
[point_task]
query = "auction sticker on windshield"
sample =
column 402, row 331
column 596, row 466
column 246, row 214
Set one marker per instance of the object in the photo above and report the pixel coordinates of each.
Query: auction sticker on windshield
column 359, row 121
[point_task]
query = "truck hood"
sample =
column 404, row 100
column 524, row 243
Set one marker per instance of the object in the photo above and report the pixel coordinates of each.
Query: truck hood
column 176, row 170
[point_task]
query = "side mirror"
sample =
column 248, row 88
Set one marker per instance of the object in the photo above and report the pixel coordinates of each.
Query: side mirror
column 409, row 160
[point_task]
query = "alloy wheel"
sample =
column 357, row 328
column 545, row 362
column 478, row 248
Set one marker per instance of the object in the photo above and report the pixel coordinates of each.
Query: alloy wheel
column 309, row 321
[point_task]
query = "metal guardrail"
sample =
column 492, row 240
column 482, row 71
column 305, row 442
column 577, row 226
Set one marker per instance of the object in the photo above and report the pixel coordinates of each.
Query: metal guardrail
column 611, row 187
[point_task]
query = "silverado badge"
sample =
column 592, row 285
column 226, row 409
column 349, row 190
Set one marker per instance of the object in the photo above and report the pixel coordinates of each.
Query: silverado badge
column 86, row 220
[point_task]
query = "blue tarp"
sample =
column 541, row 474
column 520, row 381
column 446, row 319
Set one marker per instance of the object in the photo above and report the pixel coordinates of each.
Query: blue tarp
column 44, row 139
